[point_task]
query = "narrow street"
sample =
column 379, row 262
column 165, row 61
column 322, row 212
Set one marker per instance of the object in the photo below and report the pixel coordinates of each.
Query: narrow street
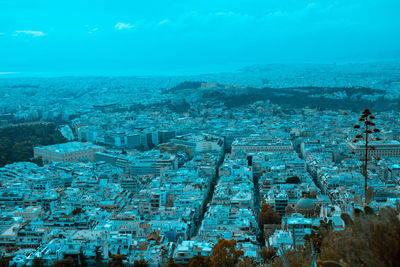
column 209, row 197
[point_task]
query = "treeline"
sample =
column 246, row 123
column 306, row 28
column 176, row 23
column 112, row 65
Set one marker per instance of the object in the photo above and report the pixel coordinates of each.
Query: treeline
column 298, row 97
column 185, row 85
column 178, row 107
column 290, row 97
column 17, row 142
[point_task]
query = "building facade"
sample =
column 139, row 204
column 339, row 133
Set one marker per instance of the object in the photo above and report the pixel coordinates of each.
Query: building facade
column 67, row 152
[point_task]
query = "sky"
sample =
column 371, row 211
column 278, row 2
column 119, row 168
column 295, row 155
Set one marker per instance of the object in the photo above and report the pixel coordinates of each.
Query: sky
column 157, row 37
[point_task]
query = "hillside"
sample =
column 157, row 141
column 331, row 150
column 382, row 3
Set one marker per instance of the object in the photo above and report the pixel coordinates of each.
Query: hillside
column 354, row 98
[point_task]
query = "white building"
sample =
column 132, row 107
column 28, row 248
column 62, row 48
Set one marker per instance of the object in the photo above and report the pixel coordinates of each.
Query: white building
column 377, row 148
column 255, row 146
column 203, row 143
column 67, row 152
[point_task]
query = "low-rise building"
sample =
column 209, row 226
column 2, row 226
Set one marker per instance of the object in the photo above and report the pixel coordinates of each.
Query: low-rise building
column 67, row 152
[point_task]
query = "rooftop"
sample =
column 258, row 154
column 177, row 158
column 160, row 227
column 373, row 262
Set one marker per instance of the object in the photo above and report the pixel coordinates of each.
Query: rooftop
column 376, row 143
column 69, row 147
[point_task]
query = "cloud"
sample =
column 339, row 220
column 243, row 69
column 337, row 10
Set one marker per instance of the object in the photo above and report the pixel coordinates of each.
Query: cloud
column 8, row 72
column 310, row 5
column 33, row 33
column 93, row 30
column 230, row 13
column 163, row 21
column 121, row 26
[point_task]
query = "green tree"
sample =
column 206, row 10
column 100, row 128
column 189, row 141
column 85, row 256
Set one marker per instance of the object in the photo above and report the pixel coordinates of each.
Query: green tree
column 367, row 240
column 82, row 259
column 98, row 257
column 140, row 263
column 67, row 262
column 77, row 210
column 293, row 180
column 246, row 262
column 319, row 233
column 267, row 215
column 37, row 262
column 116, row 260
column 17, row 142
column 199, row 261
column 225, row 254
column 4, row 262
column 268, row 254
column 38, row 161
column 172, row 263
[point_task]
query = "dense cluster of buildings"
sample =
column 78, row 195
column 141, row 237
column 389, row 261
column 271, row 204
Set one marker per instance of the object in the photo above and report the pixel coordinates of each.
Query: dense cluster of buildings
column 159, row 185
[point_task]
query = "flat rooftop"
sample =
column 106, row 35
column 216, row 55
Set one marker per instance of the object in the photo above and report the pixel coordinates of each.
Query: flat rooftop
column 197, row 137
column 69, row 147
column 375, row 143
column 245, row 142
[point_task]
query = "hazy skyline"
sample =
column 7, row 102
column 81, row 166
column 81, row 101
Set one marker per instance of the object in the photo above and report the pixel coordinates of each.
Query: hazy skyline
column 181, row 37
